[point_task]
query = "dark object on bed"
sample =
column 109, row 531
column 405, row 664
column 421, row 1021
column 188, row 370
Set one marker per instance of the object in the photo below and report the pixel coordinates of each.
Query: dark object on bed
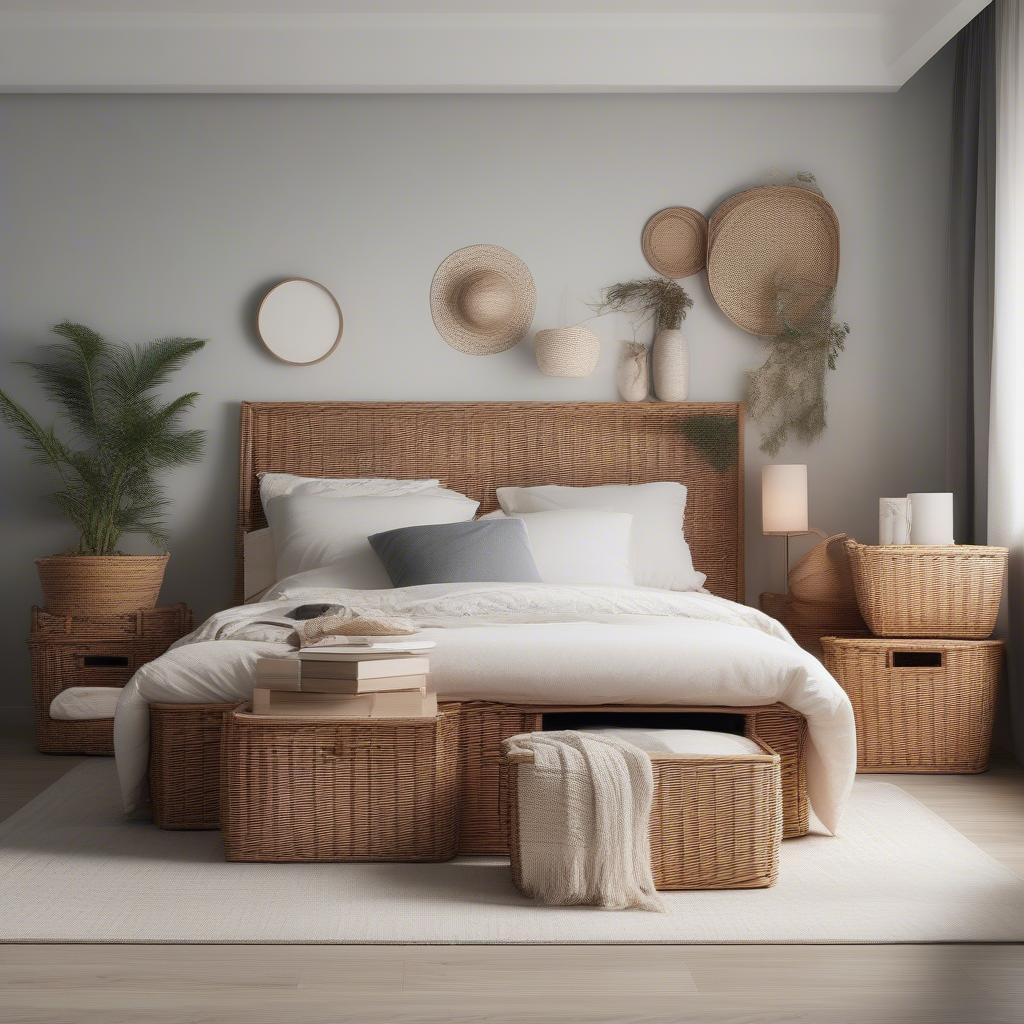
column 311, row 611
column 489, row 551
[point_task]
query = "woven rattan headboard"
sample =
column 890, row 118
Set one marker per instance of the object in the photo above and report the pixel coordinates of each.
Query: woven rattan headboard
column 478, row 446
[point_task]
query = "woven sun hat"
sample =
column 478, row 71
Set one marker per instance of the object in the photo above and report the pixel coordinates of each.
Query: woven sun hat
column 482, row 300
column 763, row 236
column 675, row 241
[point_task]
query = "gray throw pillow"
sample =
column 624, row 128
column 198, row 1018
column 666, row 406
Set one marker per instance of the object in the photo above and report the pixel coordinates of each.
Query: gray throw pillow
column 485, row 551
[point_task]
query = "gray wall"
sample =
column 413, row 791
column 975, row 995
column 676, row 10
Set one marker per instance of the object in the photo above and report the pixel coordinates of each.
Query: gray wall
column 147, row 216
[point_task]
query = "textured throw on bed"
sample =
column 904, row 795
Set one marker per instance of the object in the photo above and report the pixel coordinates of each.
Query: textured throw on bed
column 584, row 808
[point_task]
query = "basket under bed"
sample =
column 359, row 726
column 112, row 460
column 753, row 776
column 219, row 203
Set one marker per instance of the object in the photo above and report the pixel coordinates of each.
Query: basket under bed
column 185, row 743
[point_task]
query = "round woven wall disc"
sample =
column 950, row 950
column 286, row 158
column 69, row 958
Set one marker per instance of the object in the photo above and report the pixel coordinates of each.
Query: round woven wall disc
column 773, row 234
column 675, row 241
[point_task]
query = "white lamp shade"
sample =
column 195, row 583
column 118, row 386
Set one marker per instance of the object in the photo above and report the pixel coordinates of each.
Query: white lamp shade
column 784, row 499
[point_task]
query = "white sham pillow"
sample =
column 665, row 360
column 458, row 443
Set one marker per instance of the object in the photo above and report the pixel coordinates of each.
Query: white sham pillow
column 276, row 485
column 660, row 556
column 579, row 545
column 311, row 530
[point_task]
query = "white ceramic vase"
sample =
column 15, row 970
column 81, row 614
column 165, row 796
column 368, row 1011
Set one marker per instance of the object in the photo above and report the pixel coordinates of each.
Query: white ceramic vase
column 633, row 373
column 671, row 366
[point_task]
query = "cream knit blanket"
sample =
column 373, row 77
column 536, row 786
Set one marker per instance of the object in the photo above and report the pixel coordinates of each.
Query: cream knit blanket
column 584, row 809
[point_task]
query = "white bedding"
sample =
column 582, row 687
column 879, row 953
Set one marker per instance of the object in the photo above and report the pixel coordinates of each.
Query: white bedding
column 538, row 643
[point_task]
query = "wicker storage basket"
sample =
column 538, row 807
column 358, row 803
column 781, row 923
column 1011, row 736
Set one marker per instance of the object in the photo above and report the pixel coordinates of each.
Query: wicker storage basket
column 104, row 650
column 920, row 705
column 100, row 584
column 918, row 591
column 716, row 822
column 184, row 764
column 185, row 757
column 340, row 789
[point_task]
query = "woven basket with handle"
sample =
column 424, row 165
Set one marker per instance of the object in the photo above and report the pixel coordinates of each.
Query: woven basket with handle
column 916, row 590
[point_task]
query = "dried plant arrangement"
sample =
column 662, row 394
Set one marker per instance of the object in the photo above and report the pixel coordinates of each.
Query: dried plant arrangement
column 716, row 438
column 787, row 393
column 652, row 298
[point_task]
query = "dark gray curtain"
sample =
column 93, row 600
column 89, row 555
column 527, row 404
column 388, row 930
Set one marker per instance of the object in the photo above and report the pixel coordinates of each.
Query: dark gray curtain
column 971, row 265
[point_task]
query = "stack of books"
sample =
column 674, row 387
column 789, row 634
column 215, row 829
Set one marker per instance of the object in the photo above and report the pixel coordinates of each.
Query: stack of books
column 372, row 679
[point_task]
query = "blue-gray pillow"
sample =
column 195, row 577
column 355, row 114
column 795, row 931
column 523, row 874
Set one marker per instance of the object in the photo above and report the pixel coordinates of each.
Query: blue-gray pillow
column 486, row 551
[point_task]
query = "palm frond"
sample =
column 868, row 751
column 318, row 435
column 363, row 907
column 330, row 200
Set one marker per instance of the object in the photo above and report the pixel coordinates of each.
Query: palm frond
column 41, row 441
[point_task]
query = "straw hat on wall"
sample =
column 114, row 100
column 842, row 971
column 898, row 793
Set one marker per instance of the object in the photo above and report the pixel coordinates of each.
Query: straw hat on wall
column 482, row 300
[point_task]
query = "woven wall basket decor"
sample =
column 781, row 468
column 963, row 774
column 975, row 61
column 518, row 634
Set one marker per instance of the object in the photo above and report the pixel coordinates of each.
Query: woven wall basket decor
column 675, row 241
column 770, row 235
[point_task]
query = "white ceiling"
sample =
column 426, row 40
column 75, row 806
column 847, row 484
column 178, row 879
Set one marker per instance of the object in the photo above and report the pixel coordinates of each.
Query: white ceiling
column 470, row 45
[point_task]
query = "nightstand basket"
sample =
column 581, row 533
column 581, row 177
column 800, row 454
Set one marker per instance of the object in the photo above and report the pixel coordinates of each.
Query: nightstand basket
column 922, row 706
column 102, row 650
column 914, row 590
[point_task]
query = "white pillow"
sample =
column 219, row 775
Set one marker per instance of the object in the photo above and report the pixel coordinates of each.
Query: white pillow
column 579, row 545
column 311, row 531
column 660, row 555
column 276, row 485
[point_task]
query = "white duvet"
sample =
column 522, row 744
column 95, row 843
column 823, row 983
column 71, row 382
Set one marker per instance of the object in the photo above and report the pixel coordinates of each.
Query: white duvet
column 535, row 643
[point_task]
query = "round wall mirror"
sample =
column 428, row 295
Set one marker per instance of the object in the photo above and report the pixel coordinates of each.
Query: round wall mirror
column 299, row 321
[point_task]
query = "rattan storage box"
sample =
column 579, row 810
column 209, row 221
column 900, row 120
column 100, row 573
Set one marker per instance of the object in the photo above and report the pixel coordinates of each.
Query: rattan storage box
column 914, row 590
column 104, row 650
column 716, row 822
column 920, row 705
column 340, row 789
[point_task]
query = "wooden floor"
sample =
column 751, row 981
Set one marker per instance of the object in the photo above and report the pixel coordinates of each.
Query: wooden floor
column 979, row 984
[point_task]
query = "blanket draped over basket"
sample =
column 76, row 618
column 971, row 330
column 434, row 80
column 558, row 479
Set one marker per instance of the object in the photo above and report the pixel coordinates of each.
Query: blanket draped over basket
column 584, row 812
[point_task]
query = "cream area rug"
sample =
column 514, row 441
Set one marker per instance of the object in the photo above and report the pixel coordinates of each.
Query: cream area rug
column 72, row 870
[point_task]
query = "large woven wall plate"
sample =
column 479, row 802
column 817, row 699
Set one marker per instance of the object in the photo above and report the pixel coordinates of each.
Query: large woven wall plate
column 770, row 235
column 675, row 241
column 299, row 321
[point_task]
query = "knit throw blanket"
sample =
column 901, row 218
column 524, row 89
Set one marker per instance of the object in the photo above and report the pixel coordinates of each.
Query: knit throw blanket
column 584, row 809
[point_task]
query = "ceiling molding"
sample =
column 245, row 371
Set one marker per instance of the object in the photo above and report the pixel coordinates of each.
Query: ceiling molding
column 492, row 53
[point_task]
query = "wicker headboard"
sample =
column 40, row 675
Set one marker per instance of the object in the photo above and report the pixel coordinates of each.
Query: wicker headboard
column 475, row 447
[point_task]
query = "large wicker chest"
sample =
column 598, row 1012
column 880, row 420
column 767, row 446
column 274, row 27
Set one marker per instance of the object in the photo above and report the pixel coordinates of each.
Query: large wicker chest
column 374, row 789
column 104, row 650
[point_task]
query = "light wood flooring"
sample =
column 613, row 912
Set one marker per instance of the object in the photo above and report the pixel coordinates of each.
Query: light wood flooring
column 941, row 984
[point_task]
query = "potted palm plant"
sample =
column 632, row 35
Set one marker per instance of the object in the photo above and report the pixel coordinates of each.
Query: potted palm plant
column 122, row 436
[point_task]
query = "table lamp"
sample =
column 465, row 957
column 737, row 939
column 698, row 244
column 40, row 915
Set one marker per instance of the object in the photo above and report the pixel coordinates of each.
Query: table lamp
column 784, row 503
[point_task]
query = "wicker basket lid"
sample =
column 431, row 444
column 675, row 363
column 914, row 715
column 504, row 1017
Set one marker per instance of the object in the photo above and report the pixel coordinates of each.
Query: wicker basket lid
column 675, row 240
column 764, row 236
column 482, row 300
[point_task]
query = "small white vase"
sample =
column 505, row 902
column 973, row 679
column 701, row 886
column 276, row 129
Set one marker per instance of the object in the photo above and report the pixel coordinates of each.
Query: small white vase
column 632, row 375
column 671, row 366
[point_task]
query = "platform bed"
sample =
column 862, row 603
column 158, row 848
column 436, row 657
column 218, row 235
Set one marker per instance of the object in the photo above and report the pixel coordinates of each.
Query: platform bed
column 185, row 744
column 475, row 448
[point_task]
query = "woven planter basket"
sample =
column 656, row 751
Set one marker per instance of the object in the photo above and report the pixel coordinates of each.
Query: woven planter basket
column 100, row 584
column 921, row 706
column 918, row 591
column 567, row 351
